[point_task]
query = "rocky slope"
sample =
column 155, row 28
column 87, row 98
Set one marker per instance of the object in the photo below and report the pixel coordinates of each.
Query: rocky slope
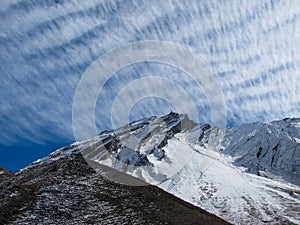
column 68, row 191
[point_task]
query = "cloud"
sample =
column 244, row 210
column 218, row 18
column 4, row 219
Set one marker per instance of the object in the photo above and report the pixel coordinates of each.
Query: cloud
column 252, row 47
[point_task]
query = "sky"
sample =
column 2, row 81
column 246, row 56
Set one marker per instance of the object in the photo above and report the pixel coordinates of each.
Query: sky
column 251, row 47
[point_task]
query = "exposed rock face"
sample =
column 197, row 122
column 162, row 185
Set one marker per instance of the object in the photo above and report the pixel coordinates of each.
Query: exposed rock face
column 68, row 191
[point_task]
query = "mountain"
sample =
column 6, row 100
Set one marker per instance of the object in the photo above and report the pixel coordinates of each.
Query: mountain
column 267, row 149
column 68, row 191
column 246, row 174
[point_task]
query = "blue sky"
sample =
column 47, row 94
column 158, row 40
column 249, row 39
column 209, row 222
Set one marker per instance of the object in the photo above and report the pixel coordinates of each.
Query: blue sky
column 45, row 46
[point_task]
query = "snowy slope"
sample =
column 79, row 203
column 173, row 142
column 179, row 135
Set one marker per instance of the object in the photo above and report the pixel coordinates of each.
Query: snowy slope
column 236, row 196
column 251, row 178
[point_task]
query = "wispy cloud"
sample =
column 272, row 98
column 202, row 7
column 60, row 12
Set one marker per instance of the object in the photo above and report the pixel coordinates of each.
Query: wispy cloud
column 252, row 47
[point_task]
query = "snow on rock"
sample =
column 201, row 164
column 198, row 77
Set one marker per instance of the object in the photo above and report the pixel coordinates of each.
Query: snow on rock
column 266, row 148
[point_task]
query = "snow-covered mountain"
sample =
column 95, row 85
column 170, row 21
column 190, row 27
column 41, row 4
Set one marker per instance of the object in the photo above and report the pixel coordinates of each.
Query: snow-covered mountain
column 267, row 149
column 251, row 176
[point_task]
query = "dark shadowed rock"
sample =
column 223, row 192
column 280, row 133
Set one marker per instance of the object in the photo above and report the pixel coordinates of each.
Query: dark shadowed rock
column 68, row 191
